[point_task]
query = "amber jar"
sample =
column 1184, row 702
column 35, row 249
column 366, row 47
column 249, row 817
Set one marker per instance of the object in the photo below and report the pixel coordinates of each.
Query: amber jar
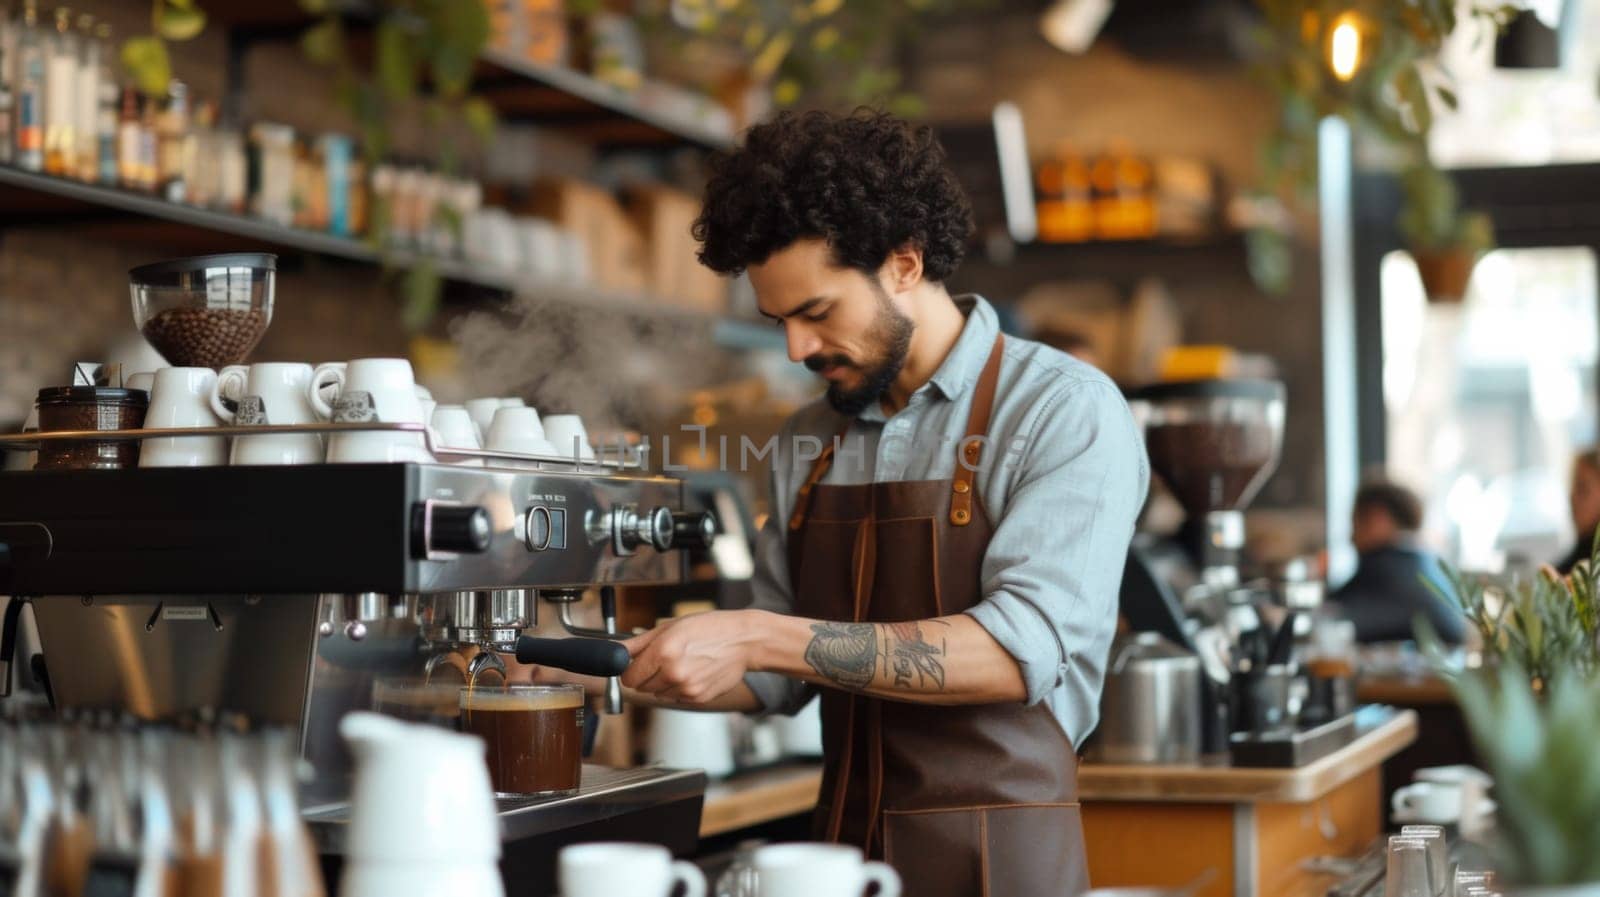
column 89, row 408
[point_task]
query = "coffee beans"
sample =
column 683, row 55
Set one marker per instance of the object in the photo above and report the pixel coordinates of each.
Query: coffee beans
column 1211, row 466
column 205, row 337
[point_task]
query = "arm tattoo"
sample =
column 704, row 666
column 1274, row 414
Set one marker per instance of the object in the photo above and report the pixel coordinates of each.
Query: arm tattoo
column 910, row 654
column 847, row 654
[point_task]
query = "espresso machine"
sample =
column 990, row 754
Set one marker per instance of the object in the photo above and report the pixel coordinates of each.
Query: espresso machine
column 285, row 593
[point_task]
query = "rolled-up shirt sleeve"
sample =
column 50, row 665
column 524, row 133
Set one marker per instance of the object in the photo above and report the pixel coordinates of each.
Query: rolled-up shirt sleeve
column 1053, row 568
column 771, row 590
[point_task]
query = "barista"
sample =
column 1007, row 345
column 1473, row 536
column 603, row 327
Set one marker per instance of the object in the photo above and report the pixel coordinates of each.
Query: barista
column 949, row 526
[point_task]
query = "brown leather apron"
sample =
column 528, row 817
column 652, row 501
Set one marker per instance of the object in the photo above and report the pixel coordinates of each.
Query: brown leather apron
column 961, row 800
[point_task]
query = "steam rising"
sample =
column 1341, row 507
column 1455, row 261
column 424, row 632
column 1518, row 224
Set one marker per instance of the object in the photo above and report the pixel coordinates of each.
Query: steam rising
column 568, row 351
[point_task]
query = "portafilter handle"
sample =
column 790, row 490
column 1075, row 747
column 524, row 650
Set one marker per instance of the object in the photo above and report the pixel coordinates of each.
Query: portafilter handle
column 585, row 656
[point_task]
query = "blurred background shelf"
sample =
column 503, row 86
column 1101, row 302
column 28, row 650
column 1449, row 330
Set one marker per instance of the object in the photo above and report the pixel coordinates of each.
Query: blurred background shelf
column 39, row 200
column 654, row 115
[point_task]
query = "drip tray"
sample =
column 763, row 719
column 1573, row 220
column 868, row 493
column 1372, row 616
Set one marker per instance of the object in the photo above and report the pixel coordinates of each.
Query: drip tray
column 1291, row 748
column 606, row 795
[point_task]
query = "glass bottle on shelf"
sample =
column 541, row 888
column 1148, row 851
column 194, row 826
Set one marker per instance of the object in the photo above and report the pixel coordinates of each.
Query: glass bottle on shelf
column 8, row 47
column 105, row 125
column 61, row 95
column 85, row 159
column 171, row 129
column 199, row 164
column 233, row 170
column 128, row 141
column 149, row 144
column 30, row 90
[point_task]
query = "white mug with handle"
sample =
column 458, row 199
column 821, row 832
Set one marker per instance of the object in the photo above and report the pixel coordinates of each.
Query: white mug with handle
column 1434, row 802
column 268, row 393
column 614, row 869
column 180, row 397
column 370, row 389
column 820, row 870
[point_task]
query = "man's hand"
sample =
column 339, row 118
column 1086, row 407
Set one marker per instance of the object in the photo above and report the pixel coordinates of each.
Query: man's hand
column 694, row 659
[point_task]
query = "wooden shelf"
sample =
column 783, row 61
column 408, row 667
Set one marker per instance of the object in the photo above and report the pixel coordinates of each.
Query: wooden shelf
column 560, row 97
column 30, row 198
column 520, row 89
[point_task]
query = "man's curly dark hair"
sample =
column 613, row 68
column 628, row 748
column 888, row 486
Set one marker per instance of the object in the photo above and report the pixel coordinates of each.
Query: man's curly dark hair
column 868, row 183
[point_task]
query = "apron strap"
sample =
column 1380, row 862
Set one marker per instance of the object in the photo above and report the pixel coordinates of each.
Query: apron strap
column 972, row 444
column 819, row 469
column 966, row 467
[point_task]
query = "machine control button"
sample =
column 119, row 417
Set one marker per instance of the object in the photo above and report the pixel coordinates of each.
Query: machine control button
column 693, row 529
column 632, row 528
column 539, row 529
column 442, row 528
column 558, row 528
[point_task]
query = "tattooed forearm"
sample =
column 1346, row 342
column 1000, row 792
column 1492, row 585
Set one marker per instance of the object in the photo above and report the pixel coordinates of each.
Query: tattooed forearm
column 847, row 654
column 911, row 655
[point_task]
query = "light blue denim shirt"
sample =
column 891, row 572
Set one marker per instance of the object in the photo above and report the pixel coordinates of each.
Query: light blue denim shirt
column 1062, row 480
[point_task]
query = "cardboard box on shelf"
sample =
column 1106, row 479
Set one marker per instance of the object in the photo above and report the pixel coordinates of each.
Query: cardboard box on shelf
column 616, row 250
column 664, row 216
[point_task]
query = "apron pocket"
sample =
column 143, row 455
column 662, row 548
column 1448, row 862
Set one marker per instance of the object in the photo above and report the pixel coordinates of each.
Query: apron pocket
column 1004, row 851
column 1036, row 849
column 938, row 853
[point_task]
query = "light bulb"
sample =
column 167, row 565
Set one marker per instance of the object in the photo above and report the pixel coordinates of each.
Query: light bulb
column 1344, row 48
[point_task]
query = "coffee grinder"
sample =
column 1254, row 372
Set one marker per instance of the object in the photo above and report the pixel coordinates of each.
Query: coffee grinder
column 1214, row 443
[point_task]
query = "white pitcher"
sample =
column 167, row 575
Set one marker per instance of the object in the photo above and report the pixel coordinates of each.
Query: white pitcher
column 422, row 817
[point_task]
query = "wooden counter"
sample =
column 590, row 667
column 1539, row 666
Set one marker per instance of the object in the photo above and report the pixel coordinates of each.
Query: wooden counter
column 753, row 798
column 1404, row 691
column 1242, row 832
column 1213, row 784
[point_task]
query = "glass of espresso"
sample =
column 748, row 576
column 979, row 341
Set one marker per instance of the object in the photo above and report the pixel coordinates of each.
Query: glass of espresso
column 533, row 735
column 415, row 701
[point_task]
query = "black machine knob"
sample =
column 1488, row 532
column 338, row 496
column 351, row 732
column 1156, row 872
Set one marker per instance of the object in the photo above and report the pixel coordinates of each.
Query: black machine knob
column 693, row 529
column 458, row 529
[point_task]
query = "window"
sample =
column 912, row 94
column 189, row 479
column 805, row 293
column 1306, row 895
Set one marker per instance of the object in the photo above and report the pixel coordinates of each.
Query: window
column 1487, row 401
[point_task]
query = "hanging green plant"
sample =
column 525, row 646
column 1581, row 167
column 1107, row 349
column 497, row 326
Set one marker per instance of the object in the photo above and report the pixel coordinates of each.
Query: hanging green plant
column 423, row 51
column 1372, row 63
column 145, row 57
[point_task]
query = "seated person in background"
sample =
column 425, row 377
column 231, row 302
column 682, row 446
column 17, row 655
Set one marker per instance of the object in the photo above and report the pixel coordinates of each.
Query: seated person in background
column 1391, row 585
column 1585, row 501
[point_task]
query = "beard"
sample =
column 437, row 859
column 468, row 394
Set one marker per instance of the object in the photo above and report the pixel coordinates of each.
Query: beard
column 889, row 337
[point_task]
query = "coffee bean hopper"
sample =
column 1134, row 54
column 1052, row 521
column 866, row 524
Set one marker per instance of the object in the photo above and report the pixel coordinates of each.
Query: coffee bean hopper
column 1214, row 443
column 285, row 594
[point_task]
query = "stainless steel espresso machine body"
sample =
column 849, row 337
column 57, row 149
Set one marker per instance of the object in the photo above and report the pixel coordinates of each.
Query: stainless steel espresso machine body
column 286, row 593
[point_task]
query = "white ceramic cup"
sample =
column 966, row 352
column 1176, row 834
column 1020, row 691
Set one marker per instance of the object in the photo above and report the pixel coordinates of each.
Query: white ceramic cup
column 566, row 432
column 367, row 389
column 512, row 402
column 181, row 397
column 482, row 410
column 143, row 380
column 270, row 392
column 801, row 734
column 1428, row 802
column 820, row 870
column 453, row 428
column 21, row 460
column 686, row 739
column 614, row 869
column 518, row 430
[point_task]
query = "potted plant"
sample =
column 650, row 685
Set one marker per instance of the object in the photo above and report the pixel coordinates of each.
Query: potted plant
column 1533, row 709
column 1370, row 63
column 1445, row 242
